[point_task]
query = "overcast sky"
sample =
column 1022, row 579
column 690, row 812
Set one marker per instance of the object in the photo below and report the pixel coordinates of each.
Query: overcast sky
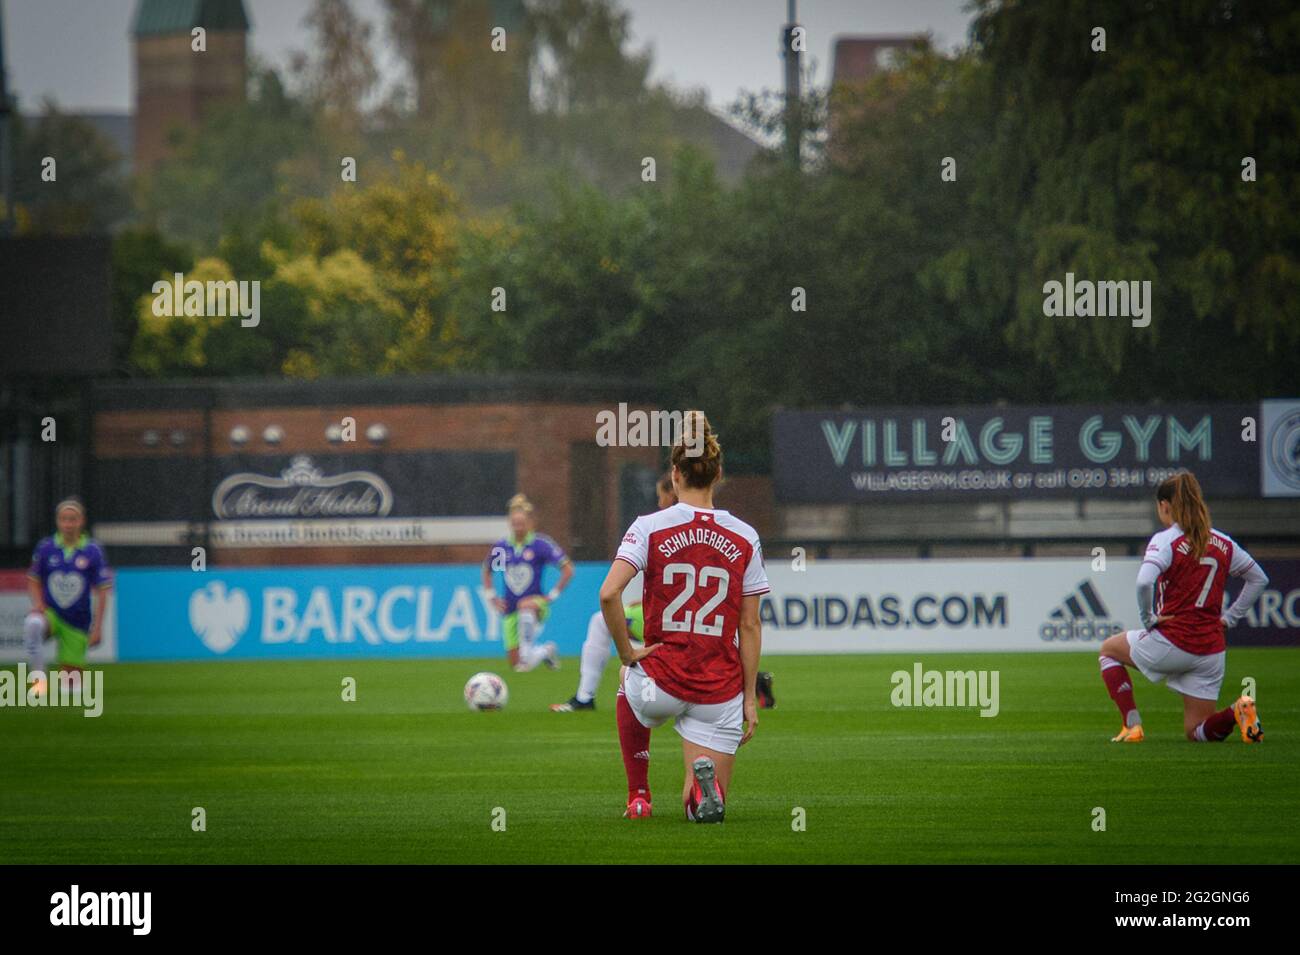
column 78, row 51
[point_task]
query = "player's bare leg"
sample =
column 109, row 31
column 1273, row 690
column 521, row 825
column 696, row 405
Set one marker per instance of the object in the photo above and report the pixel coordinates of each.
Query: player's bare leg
column 708, row 779
column 1116, row 647
column 1114, row 660
column 1196, row 712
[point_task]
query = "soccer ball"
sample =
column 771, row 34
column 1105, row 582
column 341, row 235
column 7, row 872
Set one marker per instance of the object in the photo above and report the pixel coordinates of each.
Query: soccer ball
column 486, row 691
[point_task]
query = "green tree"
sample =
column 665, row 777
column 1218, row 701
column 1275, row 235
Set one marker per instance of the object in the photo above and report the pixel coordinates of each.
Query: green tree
column 1127, row 164
column 141, row 256
column 339, row 73
column 406, row 227
column 242, row 164
column 88, row 193
column 597, row 111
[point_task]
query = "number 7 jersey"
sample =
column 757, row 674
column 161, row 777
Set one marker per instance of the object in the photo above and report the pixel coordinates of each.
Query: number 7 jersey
column 1190, row 589
column 699, row 564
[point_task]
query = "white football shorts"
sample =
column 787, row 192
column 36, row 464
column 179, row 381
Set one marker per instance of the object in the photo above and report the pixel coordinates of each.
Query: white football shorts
column 715, row 726
column 1187, row 673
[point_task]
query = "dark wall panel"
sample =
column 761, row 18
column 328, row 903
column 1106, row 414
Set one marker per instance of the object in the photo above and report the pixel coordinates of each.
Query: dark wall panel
column 54, row 306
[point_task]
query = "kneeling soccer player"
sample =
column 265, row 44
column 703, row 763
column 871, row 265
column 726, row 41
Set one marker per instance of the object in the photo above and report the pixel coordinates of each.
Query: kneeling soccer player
column 1185, row 569
column 521, row 557
column 599, row 645
column 67, row 569
column 704, row 579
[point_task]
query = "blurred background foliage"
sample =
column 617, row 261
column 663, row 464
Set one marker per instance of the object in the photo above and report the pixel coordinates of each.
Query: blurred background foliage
column 525, row 173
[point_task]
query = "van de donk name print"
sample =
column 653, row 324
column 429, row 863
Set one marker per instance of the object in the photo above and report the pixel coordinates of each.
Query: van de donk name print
column 974, row 453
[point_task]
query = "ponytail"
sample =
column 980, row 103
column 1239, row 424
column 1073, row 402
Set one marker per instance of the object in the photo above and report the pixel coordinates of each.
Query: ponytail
column 697, row 455
column 1187, row 506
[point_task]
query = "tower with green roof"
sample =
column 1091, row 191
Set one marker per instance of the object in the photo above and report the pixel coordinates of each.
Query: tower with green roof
column 175, row 85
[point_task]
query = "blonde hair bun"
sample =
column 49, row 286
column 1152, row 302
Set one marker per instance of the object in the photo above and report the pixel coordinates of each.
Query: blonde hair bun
column 697, row 455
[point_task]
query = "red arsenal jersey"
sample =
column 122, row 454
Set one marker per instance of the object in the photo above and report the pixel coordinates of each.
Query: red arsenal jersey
column 698, row 565
column 1190, row 588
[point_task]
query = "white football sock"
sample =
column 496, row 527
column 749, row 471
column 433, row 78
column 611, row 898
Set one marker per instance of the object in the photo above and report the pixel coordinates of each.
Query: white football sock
column 532, row 655
column 527, row 627
column 531, row 650
column 595, row 654
column 34, row 642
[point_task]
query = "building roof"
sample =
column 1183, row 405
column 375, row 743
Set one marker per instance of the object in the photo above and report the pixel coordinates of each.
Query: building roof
column 162, row 17
column 859, row 57
column 732, row 149
column 117, row 128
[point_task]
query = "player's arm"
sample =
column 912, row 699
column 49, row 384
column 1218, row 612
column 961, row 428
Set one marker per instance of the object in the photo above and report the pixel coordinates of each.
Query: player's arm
column 1157, row 559
column 487, row 589
column 751, row 648
column 1148, row 574
column 36, row 582
column 35, row 593
column 102, row 581
column 97, row 617
column 566, row 575
column 620, row 575
column 1243, row 565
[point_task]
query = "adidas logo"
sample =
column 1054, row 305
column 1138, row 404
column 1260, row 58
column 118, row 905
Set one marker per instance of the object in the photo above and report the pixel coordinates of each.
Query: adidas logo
column 1081, row 616
column 644, row 754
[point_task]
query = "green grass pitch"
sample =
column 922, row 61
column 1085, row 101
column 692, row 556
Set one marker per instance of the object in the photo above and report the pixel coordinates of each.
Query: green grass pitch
column 288, row 772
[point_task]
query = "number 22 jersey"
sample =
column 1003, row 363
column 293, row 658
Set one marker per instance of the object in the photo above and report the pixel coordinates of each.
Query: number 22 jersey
column 699, row 564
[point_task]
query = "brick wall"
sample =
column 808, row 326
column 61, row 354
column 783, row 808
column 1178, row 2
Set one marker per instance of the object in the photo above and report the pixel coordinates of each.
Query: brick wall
column 540, row 435
column 176, row 86
column 749, row 497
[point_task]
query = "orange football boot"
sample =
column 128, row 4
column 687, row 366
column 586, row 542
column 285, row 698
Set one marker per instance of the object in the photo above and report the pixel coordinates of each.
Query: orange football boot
column 1248, row 719
column 1129, row 734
